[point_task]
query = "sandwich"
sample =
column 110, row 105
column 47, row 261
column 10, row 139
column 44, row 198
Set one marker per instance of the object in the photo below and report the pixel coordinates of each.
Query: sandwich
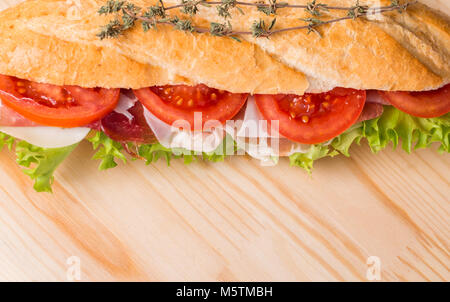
column 303, row 79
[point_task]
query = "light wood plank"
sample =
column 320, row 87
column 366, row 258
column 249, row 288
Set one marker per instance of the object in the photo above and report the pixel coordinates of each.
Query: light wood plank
column 232, row 221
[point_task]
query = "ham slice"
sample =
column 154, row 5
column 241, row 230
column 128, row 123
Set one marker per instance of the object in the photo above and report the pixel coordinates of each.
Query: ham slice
column 370, row 111
column 10, row 118
column 127, row 122
column 374, row 97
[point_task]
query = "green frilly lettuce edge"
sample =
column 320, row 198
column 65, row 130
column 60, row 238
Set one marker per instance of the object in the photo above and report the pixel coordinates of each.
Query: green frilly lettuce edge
column 108, row 151
column 392, row 127
column 39, row 163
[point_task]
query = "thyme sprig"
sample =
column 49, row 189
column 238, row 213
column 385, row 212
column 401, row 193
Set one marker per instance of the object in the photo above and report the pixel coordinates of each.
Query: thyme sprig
column 127, row 15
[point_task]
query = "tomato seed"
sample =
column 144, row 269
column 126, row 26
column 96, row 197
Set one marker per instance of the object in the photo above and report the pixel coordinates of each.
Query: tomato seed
column 305, row 119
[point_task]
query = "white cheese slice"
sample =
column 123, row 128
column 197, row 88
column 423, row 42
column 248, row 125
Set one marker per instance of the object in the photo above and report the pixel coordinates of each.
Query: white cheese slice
column 48, row 137
column 262, row 142
column 174, row 138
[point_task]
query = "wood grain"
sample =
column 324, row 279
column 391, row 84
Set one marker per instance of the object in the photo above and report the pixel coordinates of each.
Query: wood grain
column 232, row 221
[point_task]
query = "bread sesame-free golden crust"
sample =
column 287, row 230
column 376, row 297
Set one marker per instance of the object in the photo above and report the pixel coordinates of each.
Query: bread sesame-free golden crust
column 54, row 41
column 49, row 60
column 429, row 42
column 155, row 56
column 387, row 52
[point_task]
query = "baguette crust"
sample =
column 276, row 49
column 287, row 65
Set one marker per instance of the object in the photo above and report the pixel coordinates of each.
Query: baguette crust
column 166, row 56
column 49, row 60
column 408, row 51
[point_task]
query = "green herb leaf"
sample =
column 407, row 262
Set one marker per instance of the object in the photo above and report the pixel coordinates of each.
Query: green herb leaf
column 268, row 9
column 111, row 7
column 111, row 30
column 219, row 29
column 357, row 10
column 272, row 24
column 315, row 8
column 223, row 10
column 190, row 7
column 312, row 24
column 127, row 15
column 259, row 29
column 155, row 11
column 182, row 24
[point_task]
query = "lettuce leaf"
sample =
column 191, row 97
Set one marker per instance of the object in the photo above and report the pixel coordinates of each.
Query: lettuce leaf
column 227, row 147
column 108, row 150
column 6, row 140
column 392, row 127
column 306, row 160
column 41, row 163
column 153, row 152
column 395, row 125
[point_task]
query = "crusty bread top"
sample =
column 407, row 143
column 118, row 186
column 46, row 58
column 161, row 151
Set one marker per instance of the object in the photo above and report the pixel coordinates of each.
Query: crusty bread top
column 54, row 41
column 408, row 51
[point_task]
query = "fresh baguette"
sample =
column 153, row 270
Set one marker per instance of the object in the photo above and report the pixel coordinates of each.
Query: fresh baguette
column 54, row 41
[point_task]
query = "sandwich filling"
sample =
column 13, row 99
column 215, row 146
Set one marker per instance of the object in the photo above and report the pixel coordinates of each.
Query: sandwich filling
column 185, row 121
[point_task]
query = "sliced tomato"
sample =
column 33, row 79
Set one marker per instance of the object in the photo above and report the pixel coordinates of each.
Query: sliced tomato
column 174, row 103
column 313, row 118
column 58, row 106
column 429, row 104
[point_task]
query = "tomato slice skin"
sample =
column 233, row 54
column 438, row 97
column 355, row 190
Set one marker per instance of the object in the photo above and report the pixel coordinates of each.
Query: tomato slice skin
column 188, row 100
column 57, row 106
column 426, row 104
column 344, row 106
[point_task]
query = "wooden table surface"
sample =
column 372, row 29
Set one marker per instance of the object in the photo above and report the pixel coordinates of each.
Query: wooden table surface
column 231, row 221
